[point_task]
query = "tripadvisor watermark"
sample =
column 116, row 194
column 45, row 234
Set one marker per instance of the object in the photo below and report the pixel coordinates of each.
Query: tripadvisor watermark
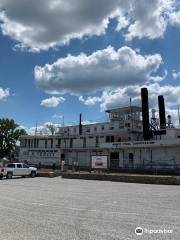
column 140, row 231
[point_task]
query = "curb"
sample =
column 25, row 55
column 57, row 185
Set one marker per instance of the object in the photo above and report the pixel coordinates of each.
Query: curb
column 48, row 174
column 146, row 179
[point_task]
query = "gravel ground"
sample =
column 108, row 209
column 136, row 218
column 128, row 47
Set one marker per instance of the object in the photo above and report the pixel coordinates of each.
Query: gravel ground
column 65, row 209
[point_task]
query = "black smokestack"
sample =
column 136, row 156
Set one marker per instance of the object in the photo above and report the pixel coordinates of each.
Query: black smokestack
column 145, row 114
column 162, row 114
column 80, row 124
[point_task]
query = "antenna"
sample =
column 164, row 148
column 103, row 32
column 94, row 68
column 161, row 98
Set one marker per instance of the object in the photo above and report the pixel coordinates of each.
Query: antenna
column 169, row 122
column 36, row 128
column 131, row 113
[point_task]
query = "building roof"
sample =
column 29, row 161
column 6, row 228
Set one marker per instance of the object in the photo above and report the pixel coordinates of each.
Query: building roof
column 124, row 109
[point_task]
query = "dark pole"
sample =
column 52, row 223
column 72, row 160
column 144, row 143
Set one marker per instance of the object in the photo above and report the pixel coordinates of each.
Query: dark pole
column 145, row 114
column 80, row 124
column 162, row 114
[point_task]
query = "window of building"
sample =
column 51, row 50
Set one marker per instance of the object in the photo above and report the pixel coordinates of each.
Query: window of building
column 65, row 143
column 34, row 143
column 37, row 143
column 84, row 143
column 107, row 138
column 121, row 118
column 97, row 141
column 102, row 128
column 71, row 143
column 114, row 155
column 131, row 159
column 115, row 115
column 59, row 142
column 87, row 129
column 51, row 143
column 112, row 138
column 45, row 143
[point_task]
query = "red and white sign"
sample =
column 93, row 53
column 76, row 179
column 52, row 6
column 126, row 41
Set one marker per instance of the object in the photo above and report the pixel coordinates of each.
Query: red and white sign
column 99, row 162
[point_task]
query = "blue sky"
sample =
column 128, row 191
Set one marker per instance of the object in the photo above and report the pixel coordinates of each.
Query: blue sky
column 146, row 49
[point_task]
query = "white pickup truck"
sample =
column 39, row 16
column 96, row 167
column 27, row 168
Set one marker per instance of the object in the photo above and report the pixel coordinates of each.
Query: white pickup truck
column 17, row 169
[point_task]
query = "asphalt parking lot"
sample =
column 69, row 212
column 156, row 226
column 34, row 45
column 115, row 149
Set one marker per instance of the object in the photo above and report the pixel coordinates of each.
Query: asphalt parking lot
column 56, row 208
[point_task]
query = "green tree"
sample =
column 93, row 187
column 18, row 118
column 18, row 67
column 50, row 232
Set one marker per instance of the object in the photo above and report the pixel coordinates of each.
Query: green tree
column 9, row 134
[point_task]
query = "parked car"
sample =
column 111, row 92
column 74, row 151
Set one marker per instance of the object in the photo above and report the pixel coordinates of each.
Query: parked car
column 18, row 169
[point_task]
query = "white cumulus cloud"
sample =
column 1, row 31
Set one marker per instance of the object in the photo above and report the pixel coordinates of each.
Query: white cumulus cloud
column 39, row 25
column 57, row 116
column 102, row 70
column 43, row 24
column 148, row 18
column 52, row 101
column 41, row 129
column 4, row 93
column 121, row 96
column 176, row 74
column 90, row 101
